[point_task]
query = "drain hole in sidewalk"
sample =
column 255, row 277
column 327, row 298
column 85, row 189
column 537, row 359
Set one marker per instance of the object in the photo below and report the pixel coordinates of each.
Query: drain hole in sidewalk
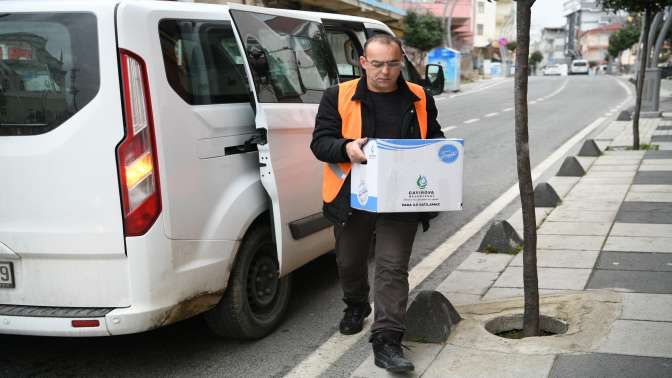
column 511, row 327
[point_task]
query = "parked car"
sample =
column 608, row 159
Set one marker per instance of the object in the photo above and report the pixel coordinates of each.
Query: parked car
column 155, row 161
column 552, row 70
column 579, row 67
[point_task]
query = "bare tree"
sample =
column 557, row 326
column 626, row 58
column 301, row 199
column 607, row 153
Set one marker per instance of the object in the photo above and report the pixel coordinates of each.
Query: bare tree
column 648, row 15
column 530, row 279
column 650, row 8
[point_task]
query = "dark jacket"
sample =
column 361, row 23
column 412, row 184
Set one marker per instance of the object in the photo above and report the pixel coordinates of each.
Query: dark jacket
column 328, row 143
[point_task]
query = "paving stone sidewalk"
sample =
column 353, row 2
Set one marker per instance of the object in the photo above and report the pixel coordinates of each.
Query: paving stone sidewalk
column 612, row 231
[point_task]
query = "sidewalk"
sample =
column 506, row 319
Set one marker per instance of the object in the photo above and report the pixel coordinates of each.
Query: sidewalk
column 605, row 268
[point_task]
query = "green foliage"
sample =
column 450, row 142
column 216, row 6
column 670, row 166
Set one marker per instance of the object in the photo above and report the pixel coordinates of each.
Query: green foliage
column 634, row 5
column 536, row 58
column 623, row 39
column 511, row 45
column 423, row 31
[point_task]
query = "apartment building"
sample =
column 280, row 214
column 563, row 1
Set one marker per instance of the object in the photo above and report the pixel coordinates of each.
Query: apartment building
column 582, row 16
column 552, row 45
column 594, row 43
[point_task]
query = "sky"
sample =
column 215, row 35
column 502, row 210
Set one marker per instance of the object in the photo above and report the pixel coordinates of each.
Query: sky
column 547, row 13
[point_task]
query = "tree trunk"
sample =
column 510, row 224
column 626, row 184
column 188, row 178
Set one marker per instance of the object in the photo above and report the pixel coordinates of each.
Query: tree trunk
column 661, row 37
column 638, row 59
column 652, row 35
column 530, row 280
column 640, row 80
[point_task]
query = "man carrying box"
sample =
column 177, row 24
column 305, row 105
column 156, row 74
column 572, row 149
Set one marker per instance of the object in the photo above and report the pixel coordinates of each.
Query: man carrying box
column 380, row 105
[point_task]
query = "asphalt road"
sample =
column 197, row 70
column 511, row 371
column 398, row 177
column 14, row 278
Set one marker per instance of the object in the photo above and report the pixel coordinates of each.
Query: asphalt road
column 483, row 116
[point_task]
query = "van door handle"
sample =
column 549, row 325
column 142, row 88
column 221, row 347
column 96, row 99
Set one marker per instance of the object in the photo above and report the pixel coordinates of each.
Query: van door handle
column 259, row 137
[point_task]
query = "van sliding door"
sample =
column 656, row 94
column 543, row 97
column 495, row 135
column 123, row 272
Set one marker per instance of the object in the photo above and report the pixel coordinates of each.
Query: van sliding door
column 290, row 63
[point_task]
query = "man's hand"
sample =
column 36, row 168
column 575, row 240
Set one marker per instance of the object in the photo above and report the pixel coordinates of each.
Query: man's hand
column 354, row 150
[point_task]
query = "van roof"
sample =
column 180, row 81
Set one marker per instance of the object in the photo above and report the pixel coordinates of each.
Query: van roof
column 186, row 4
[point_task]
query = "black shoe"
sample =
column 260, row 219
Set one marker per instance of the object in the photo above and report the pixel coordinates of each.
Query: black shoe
column 387, row 353
column 353, row 319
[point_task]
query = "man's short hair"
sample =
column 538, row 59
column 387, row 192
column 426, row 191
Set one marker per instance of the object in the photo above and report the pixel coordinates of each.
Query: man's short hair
column 385, row 39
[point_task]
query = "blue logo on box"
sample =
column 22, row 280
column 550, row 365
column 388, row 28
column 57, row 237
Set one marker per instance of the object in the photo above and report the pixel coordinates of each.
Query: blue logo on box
column 448, row 153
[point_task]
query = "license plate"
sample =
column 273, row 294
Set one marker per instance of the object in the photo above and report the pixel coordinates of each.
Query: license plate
column 6, row 275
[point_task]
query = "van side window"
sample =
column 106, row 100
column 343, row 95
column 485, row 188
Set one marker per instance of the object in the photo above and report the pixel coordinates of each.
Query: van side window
column 48, row 69
column 203, row 62
column 346, row 52
column 290, row 58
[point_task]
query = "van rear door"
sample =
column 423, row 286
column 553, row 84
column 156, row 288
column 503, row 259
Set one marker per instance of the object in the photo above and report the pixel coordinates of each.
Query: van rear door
column 290, row 63
column 61, row 227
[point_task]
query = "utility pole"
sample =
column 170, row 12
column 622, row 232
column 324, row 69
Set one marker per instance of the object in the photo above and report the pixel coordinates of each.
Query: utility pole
column 448, row 22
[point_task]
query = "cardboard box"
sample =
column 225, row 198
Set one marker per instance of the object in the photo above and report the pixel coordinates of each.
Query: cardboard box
column 409, row 175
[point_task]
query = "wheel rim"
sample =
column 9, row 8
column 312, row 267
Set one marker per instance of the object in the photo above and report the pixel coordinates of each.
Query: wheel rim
column 263, row 283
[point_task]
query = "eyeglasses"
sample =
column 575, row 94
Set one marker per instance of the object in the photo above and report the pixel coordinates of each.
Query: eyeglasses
column 379, row 64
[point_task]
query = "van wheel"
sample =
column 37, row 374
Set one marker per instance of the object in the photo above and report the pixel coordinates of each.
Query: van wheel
column 256, row 299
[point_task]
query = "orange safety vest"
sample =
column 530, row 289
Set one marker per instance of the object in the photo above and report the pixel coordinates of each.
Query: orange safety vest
column 334, row 174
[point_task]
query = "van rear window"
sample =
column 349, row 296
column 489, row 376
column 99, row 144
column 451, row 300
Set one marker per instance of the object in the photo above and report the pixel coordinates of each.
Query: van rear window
column 48, row 69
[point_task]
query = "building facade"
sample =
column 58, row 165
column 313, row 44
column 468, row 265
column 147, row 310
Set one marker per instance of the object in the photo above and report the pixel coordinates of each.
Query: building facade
column 594, row 43
column 460, row 12
column 505, row 20
column 485, row 29
column 582, row 16
column 552, row 45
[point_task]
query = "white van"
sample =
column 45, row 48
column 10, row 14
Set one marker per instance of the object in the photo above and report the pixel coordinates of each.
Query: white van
column 155, row 161
column 579, row 67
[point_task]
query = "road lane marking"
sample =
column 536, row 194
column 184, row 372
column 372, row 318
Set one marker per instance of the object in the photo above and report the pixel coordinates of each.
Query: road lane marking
column 337, row 345
column 448, row 128
column 532, row 102
column 471, row 121
column 507, row 109
column 491, row 115
column 477, row 90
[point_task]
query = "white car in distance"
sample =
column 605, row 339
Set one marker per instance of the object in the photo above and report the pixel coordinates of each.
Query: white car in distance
column 579, row 67
column 552, row 70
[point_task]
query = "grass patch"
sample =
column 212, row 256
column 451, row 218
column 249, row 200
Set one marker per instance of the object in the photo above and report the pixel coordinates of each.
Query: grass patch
column 642, row 147
column 649, row 147
column 492, row 249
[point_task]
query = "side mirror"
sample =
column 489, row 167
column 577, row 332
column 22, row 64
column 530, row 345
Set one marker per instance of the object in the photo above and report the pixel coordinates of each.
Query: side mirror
column 434, row 79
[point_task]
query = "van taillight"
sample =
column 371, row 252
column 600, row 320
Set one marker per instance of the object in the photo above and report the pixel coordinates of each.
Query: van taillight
column 136, row 155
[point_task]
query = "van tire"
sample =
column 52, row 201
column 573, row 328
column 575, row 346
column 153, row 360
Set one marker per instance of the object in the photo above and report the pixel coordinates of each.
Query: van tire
column 247, row 312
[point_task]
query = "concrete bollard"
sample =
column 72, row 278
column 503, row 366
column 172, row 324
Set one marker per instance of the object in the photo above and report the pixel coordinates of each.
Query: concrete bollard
column 571, row 168
column 430, row 318
column 546, row 196
column 590, row 148
column 624, row 116
column 501, row 238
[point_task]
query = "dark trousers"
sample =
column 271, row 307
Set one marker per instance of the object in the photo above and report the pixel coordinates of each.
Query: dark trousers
column 395, row 234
